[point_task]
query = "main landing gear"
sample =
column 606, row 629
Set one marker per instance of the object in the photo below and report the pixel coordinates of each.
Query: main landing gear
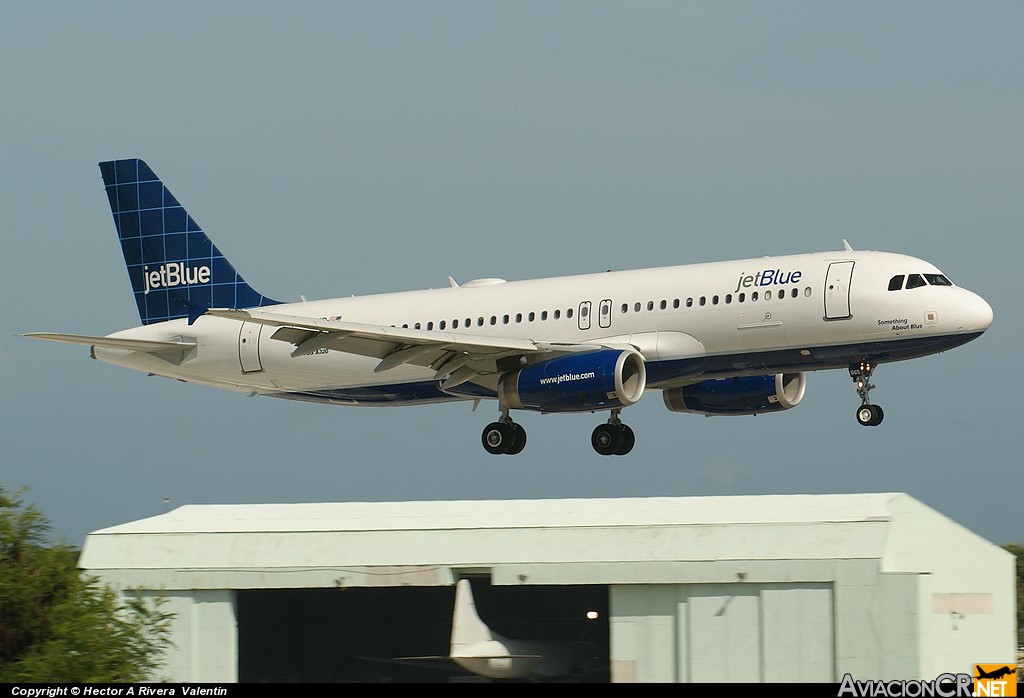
column 868, row 415
column 506, row 437
column 613, row 438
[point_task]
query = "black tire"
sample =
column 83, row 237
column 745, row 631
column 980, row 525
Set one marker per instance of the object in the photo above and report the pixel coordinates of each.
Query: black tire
column 518, row 440
column 606, row 439
column 628, row 441
column 497, row 438
column 869, row 415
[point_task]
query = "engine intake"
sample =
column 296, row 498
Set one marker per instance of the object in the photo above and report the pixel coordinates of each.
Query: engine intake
column 743, row 395
column 604, row 379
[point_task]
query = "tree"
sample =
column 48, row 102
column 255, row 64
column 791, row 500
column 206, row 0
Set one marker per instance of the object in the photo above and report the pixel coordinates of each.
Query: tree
column 1018, row 550
column 59, row 625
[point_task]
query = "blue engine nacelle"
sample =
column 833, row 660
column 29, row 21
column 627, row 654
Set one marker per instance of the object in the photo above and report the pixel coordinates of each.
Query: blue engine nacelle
column 604, row 379
column 745, row 395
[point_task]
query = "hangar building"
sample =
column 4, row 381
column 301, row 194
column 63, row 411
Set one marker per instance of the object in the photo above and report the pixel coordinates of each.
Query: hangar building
column 691, row 589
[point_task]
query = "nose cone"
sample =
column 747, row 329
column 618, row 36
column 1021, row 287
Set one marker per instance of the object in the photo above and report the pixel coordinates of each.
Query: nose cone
column 976, row 314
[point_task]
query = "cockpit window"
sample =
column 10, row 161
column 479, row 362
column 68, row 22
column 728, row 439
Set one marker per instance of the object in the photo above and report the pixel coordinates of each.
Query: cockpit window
column 896, row 282
column 938, row 280
column 915, row 281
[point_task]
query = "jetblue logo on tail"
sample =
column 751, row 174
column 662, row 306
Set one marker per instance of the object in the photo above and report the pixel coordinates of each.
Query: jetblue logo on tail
column 174, row 274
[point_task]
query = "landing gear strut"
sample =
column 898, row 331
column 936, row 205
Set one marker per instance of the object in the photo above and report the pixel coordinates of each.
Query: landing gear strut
column 613, row 438
column 504, row 436
column 868, row 415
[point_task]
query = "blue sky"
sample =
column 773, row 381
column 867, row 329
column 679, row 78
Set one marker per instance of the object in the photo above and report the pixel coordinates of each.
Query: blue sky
column 342, row 148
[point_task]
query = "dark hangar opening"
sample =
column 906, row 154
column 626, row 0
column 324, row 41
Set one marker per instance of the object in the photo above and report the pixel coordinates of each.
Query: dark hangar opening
column 369, row 635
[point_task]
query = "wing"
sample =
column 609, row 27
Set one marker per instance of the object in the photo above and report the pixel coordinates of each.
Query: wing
column 455, row 357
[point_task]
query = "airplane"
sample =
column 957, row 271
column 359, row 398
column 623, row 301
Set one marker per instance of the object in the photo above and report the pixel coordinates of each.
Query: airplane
column 995, row 673
column 478, row 649
column 721, row 338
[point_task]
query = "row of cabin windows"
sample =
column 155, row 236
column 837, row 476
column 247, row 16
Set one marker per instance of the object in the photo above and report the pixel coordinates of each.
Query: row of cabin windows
column 703, row 300
column 557, row 314
column 505, row 319
column 917, row 281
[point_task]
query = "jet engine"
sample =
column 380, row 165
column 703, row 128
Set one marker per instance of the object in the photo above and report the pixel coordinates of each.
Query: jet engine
column 742, row 395
column 604, row 379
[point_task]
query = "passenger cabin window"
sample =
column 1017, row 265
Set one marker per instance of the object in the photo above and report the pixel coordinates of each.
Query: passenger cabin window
column 915, row 281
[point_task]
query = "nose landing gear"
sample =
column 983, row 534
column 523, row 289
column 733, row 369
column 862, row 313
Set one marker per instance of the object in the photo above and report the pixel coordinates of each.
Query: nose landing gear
column 868, row 415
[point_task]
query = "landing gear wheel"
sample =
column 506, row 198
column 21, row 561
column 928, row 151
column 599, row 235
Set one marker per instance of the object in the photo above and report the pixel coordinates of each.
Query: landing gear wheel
column 628, row 440
column 607, row 439
column 504, row 437
column 498, row 437
column 869, row 415
column 520, row 440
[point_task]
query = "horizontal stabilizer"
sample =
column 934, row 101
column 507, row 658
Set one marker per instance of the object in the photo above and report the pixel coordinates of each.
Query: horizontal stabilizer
column 146, row 345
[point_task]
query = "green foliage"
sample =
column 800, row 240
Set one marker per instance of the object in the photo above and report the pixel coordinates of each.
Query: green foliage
column 58, row 625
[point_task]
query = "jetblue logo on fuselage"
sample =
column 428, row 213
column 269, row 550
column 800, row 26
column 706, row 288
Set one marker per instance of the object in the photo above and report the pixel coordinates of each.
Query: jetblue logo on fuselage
column 174, row 274
column 769, row 277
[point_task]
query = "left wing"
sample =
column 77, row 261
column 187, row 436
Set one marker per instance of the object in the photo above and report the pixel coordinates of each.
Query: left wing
column 455, row 357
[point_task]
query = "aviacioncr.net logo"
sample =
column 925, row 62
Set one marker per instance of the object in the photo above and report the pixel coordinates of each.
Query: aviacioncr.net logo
column 942, row 686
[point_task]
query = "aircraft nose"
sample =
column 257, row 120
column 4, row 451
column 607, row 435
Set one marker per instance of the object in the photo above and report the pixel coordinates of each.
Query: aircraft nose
column 977, row 314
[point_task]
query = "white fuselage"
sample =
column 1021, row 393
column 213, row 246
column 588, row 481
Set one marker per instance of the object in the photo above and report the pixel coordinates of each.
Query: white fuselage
column 756, row 316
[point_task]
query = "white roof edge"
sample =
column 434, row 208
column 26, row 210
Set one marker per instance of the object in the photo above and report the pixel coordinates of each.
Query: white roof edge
column 524, row 513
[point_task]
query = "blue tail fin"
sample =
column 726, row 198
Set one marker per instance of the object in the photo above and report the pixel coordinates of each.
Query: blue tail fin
column 176, row 272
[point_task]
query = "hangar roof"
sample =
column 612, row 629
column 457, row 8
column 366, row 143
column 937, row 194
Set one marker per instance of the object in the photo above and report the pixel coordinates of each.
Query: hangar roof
column 552, row 541
column 532, row 513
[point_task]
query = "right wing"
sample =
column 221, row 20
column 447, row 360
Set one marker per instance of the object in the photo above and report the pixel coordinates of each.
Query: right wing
column 455, row 357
